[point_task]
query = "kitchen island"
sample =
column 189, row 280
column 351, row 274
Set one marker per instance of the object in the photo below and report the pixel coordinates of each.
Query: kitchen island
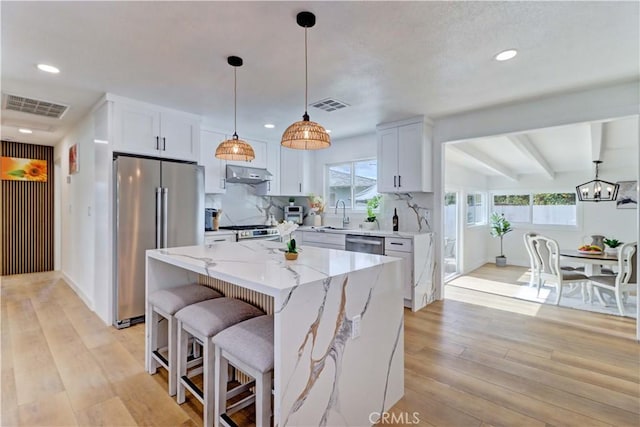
column 338, row 322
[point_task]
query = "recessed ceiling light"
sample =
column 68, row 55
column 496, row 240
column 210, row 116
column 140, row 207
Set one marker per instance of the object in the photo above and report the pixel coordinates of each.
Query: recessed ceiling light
column 269, row 125
column 48, row 68
column 100, row 141
column 505, row 55
column 24, row 130
column 328, row 130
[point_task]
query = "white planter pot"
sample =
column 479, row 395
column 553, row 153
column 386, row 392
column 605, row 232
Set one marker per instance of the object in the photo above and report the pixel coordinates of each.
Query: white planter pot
column 368, row 225
column 612, row 251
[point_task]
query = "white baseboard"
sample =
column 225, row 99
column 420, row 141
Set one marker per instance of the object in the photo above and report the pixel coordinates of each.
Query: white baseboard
column 77, row 290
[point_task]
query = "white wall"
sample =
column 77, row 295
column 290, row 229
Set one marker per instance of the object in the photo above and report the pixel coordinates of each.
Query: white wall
column 593, row 218
column 77, row 234
column 473, row 240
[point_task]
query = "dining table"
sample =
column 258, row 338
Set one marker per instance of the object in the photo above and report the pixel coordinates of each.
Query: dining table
column 592, row 262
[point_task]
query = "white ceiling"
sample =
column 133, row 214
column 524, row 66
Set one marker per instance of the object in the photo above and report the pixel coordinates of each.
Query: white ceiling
column 388, row 60
column 562, row 149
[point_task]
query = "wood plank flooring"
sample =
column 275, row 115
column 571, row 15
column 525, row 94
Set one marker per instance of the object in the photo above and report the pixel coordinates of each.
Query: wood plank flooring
column 471, row 360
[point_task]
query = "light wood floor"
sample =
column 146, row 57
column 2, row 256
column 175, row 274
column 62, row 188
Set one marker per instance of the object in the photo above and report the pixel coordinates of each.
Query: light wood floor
column 473, row 360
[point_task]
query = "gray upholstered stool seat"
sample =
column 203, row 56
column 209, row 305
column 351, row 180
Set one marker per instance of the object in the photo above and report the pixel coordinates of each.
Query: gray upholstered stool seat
column 174, row 299
column 163, row 304
column 247, row 346
column 202, row 321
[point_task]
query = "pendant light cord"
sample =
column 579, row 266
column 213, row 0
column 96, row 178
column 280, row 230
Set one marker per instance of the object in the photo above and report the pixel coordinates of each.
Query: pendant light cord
column 306, row 74
column 235, row 101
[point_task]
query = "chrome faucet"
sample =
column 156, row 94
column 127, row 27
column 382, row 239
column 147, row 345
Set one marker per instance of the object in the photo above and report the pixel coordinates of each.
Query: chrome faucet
column 345, row 218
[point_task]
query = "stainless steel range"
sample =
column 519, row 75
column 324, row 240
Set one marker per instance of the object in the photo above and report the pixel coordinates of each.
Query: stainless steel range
column 244, row 232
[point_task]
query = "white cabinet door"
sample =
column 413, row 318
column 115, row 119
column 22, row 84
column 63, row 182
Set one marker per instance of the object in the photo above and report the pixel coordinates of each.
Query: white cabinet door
column 407, row 271
column 388, row 160
column 404, row 157
column 410, row 158
column 179, row 137
column 214, row 168
column 292, row 173
column 273, row 166
column 139, row 129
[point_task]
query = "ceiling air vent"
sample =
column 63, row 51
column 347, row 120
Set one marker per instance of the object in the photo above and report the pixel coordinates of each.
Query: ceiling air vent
column 329, row 104
column 34, row 106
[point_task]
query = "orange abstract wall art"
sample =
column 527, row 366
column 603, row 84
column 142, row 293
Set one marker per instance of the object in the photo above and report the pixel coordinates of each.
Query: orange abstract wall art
column 19, row 169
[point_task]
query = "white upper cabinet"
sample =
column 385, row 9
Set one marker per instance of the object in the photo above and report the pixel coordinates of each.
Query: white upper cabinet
column 154, row 131
column 214, row 168
column 294, row 172
column 404, row 157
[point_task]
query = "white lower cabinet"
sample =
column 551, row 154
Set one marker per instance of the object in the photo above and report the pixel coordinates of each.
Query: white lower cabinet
column 323, row 240
column 402, row 248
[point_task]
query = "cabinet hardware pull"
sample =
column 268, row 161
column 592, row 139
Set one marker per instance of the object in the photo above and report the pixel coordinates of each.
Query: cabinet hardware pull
column 399, row 180
column 157, row 142
column 300, row 187
column 164, row 143
column 268, row 185
column 394, row 243
column 394, row 181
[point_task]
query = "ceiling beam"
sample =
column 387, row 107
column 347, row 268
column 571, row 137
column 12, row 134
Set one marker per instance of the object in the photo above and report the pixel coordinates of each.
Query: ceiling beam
column 596, row 140
column 523, row 143
column 485, row 160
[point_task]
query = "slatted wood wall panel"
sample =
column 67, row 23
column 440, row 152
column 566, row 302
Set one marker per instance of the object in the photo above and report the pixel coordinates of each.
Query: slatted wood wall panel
column 262, row 301
column 27, row 215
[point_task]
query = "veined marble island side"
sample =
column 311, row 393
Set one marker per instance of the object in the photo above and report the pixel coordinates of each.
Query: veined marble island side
column 324, row 374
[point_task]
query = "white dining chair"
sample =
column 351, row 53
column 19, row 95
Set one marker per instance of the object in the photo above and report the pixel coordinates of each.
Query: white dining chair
column 625, row 280
column 547, row 259
column 528, row 244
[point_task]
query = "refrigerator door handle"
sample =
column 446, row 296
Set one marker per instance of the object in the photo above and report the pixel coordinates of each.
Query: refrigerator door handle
column 158, row 218
column 165, row 216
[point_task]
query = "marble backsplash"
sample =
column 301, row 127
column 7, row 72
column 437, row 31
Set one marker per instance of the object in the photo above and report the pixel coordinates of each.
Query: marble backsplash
column 242, row 206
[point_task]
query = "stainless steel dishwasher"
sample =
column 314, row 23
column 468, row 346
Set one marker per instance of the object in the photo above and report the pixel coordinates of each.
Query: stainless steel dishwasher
column 366, row 244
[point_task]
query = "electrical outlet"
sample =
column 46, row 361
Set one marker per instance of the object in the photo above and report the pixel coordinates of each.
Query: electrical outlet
column 355, row 326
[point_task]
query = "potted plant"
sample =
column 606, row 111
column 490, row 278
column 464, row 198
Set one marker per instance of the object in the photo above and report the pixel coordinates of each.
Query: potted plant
column 499, row 227
column 291, row 201
column 372, row 204
column 612, row 246
column 285, row 229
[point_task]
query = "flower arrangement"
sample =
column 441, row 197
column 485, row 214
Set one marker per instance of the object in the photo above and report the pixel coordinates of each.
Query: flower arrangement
column 316, row 203
column 285, row 229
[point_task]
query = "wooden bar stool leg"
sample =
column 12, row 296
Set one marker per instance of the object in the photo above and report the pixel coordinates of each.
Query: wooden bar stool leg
column 153, row 340
column 222, row 377
column 263, row 400
column 208, row 373
column 181, row 364
column 173, row 362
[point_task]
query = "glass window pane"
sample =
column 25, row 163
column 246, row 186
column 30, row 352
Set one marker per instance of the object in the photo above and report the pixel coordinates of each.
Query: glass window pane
column 475, row 209
column 365, row 182
column 554, row 208
column 514, row 207
column 352, row 180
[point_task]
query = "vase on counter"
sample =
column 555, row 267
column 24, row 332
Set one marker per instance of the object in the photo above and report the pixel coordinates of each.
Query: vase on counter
column 291, row 256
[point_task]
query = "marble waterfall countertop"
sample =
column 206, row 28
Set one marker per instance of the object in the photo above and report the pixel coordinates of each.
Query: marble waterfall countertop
column 338, row 323
column 260, row 265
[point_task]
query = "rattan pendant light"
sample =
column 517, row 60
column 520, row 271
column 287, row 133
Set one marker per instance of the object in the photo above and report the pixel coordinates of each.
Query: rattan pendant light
column 305, row 134
column 235, row 148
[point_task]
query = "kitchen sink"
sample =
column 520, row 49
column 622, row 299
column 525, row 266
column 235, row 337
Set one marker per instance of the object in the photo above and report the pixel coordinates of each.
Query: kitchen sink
column 329, row 227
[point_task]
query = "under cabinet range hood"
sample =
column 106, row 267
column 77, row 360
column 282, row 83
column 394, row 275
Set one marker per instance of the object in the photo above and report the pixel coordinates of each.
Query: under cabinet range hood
column 245, row 175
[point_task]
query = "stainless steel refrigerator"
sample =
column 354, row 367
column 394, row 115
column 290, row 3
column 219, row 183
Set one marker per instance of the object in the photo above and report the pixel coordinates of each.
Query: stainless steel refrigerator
column 158, row 204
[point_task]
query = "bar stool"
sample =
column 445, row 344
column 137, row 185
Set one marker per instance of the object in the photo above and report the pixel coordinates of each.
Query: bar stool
column 202, row 321
column 164, row 304
column 248, row 346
